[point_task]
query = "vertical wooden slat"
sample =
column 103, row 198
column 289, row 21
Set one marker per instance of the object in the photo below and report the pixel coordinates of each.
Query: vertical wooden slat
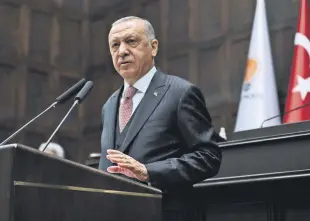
column 164, row 25
column 135, row 7
column 193, row 35
column 24, row 28
column 54, row 56
column 54, row 44
column 55, row 34
column 85, row 37
column 85, row 53
column 21, row 70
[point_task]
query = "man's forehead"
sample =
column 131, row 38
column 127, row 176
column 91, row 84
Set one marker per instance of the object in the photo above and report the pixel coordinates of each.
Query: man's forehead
column 126, row 27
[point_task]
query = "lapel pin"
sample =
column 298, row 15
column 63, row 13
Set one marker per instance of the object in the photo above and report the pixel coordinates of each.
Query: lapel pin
column 155, row 93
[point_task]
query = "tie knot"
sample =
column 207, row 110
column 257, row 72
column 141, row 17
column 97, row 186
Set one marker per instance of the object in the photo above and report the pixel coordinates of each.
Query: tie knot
column 130, row 92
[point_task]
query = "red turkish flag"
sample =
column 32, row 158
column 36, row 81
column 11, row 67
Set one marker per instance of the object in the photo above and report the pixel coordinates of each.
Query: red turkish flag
column 299, row 86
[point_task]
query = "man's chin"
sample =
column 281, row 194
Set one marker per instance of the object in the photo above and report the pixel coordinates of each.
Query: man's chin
column 128, row 74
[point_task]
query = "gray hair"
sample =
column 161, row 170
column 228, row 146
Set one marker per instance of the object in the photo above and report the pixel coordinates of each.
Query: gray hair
column 149, row 30
column 53, row 148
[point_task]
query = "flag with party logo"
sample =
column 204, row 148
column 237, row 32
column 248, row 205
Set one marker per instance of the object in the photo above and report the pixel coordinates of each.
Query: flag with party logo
column 259, row 98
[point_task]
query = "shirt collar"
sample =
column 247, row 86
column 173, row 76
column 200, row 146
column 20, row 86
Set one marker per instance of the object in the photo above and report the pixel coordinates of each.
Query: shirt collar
column 143, row 83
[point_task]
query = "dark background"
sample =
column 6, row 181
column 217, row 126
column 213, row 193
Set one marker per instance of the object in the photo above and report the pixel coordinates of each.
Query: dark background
column 48, row 45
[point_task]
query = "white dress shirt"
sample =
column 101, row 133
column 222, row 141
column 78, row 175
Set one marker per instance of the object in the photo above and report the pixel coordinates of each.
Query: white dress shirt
column 141, row 85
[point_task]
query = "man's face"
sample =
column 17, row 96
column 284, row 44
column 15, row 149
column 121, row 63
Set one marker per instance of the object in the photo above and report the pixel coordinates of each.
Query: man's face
column 132, row 52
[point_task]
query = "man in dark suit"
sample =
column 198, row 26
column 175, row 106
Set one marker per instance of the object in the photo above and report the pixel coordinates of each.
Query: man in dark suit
column 156, row 128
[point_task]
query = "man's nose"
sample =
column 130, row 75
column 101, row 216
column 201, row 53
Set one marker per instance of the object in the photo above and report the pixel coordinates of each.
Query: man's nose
column 123, row 50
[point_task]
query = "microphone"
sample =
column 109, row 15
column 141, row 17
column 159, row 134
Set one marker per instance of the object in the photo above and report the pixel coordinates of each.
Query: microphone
column 71, row 91
column 84, row 92
column 59, row 100
column 284, row 113
column 77, row 100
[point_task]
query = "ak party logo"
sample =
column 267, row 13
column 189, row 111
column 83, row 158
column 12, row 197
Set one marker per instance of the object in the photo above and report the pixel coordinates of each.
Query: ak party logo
column 251, row 70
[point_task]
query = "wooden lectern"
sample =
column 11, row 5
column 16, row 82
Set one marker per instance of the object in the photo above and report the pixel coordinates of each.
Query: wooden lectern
column 37, row 186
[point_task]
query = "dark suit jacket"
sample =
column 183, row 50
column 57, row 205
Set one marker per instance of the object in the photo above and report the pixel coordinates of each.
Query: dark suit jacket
column 171, row 133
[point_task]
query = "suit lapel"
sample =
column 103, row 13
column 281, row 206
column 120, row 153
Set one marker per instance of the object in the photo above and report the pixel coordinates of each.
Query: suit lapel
column 111, row 126
column 151, row 99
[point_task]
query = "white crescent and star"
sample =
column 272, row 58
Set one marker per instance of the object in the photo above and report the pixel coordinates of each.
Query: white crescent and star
column 303, row 84
column 303, row 41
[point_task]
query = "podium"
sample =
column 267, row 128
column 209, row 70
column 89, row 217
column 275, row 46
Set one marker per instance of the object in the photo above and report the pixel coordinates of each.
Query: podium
column 264, row 176
column 38, row 186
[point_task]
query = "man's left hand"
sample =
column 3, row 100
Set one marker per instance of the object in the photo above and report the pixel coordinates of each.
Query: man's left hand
column 127, row 165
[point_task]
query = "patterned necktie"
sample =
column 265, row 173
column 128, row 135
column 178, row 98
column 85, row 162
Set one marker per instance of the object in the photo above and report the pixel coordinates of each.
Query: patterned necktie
column 126, row 106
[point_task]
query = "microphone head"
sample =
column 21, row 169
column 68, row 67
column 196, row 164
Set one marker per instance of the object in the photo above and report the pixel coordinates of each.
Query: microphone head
column 71, row 91
column 84, row 91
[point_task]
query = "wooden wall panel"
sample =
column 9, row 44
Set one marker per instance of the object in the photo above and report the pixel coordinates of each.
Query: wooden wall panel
column 90, row 144
column 241, row 21
column 72, row 122
column 51, row 44
column 210, row 76
column 10, row 1
column 4, row 133
column 122, row 9
column 70, row 44
column 282, row 48
column 105, row 83
column 34, row 139
column 44, row 5
column 40, row 36
column 37, row 89
column 96, row 99
column 209, row 19
column 74, row 4
column 151, row 11
column 7, row 89
column 179, row 66
column 178, row 20
column 9, row 16
column 96, row 6
column 280, row 11
column 99, row 31
column 71, row 145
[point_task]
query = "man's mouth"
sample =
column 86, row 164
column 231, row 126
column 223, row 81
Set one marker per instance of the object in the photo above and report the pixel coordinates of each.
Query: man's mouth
column 125, row 62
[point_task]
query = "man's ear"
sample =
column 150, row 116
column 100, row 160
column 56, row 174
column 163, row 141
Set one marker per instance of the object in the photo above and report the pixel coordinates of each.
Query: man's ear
column 154, row 45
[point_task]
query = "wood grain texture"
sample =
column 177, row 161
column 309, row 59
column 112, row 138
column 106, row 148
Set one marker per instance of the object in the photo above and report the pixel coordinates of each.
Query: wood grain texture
column 48, row 45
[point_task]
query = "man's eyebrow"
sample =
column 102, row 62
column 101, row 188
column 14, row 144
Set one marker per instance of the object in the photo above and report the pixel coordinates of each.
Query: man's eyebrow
column 113, row 39
column 130, row 35
column 122, row 37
